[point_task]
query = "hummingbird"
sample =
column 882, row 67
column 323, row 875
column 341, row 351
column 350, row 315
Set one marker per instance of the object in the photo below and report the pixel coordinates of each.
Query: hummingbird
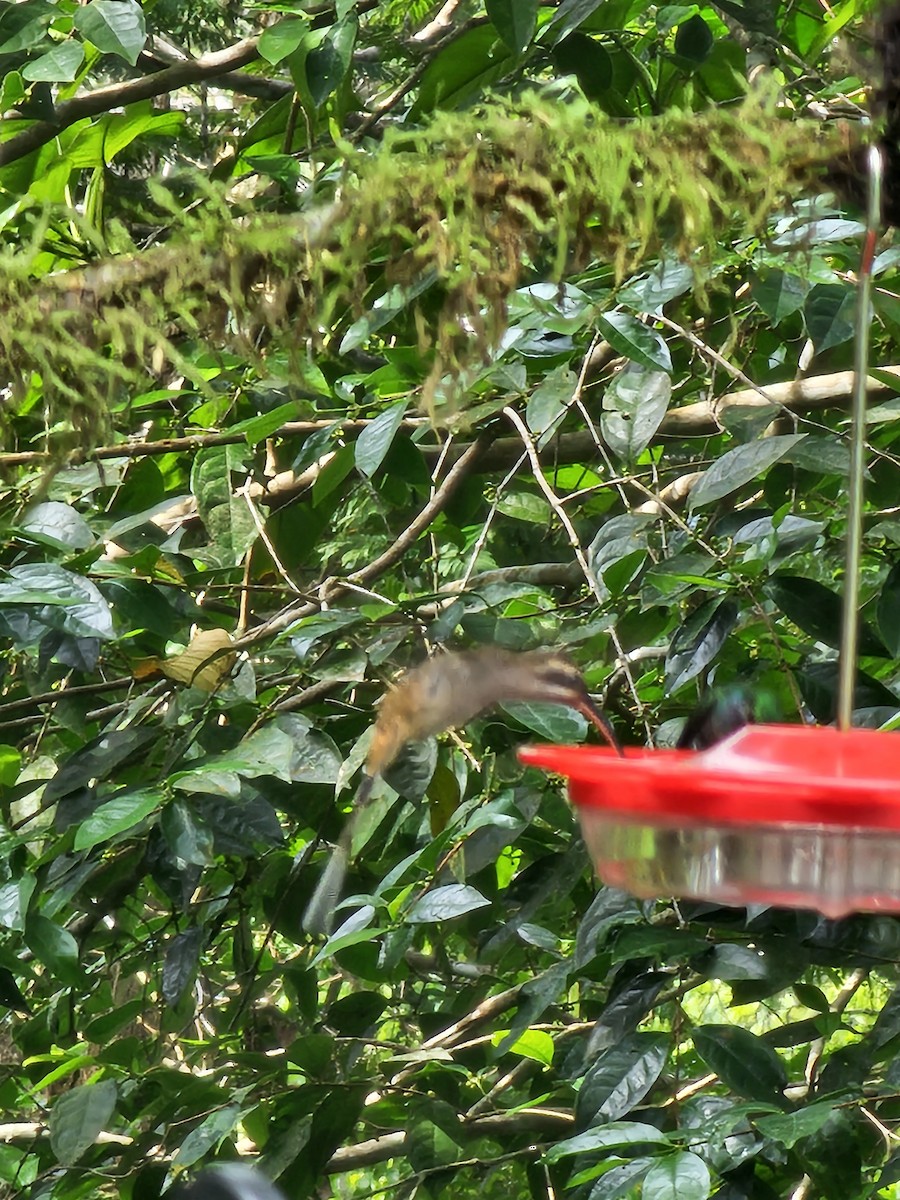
column 722, row 714
column 443, row 693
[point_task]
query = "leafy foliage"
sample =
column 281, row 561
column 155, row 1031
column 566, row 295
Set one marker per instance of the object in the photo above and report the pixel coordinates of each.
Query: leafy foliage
column 235, row 274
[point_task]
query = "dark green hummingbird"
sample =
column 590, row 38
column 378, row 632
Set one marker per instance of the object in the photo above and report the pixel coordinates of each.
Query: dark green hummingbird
column 724, row 712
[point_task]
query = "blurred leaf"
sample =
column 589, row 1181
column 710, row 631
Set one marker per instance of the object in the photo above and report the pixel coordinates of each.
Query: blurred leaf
column 693, row 41
column 830, row 315
column 679, row 1176
column 59, row 599
column 888, row 613
column 779, row 294
column 283, row 38
column 210, row 1133
column 819, row 683
column 327, row 65
column 549, row 399
column 588, row 60
column 53, row 946
column 568, row 16
column 514, row 20
column 78, row 1116
column 59, row 65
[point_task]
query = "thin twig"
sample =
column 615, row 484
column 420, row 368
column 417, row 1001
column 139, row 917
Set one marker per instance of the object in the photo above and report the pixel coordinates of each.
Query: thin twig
column 563, row 517
column 437, row 503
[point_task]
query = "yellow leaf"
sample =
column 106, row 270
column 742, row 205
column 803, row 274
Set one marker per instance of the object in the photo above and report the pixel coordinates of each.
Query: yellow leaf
column 205, row 662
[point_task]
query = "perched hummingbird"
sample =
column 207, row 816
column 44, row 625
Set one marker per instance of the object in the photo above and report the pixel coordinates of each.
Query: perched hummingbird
column 442, row 693
column 228, row 1181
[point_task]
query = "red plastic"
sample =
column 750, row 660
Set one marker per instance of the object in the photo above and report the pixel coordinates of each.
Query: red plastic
column 763, row 774
column 786, row 815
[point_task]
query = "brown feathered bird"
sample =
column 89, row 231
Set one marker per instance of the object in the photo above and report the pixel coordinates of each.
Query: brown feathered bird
column 443, row 693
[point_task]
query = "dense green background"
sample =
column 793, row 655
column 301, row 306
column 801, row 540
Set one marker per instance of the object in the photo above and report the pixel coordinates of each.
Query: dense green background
column 211, row 434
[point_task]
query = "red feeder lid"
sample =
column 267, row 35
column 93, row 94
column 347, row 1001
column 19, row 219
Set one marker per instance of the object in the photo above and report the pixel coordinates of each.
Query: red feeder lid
column 782, row 775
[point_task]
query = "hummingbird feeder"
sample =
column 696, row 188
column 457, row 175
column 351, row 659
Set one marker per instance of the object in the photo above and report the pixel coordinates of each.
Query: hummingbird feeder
column 793, row 815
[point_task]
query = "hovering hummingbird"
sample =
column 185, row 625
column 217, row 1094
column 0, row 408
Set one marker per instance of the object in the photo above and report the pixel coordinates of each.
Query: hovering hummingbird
column 722, row 714
column 442, row 693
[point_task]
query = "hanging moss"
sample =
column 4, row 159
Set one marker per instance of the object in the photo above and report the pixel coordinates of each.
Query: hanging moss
column 476, row 199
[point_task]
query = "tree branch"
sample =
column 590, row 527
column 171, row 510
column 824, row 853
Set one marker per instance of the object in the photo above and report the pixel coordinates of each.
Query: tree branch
column 116, row 95
column 393, row 1145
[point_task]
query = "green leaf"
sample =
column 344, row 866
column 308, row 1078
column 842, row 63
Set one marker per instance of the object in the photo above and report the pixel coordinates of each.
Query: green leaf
column 55, row 947
column 190, row 843
column 387, row 306
column 445, row 903
column 740, row 466
column 779, row 294
column 10, row 765
column 616, row 1135
column 435, row 1137
column 62, row 600
column 742, row 1061
column 679, row 1176
column 226, row 514
column 57, row 524
column 818, row 611
column 375, row 439
column 550, row 721
column 514, row 20
column 15, row 897
column 636, row 341
column 789, row 1128
column 621, row 1077
column 634, row 405
column 207, row 1135
column 12, row 91
column 549, row 399
column 333, row 474
column 116, row 816
column 328, row 64
column 830, row 315
column 180, row 966
column 24, row 26
column 568, row 16
column 78, row 1116
column 114, row 27
column 462, row 69
column 258, row 428
column 694, row 41
column 283, row 38
column 59, row 65
column 535, row 1044
column 589, row 61
column 888, row 613
column 698, row 641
